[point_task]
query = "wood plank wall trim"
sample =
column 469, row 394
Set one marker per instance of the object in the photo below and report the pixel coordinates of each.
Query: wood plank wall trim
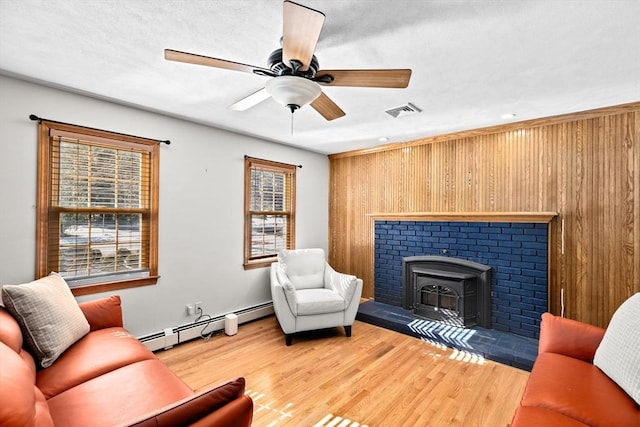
column 545, row 121
column 585, row 167
column 533, row 217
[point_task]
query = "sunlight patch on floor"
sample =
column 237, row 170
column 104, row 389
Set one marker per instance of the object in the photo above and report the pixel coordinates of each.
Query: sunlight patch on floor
column 334, row 421
column 465, row 356
column 259, row 404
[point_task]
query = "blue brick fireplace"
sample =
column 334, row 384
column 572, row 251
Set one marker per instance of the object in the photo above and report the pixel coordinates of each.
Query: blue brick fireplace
column 517, row 252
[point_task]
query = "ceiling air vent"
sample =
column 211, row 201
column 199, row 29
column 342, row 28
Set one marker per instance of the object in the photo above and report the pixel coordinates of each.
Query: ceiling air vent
column 403, row 110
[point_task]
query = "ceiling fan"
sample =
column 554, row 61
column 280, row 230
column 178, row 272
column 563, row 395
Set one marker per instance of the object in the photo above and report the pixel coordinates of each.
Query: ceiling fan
column 295, row 78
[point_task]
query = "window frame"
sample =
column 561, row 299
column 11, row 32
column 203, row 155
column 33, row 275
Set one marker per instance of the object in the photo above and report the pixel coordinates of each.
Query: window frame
column 44, row 206
column 290, row 173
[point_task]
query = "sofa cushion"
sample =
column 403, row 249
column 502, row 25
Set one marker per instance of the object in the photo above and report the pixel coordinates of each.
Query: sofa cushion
column 304, row 267
column 579, row 390
column 10, row 333
column 48, row 315
column 529, row 416
column 118, row 397
column 618, row 355
column 318, row 301
column 21, row 403
column 95, row 354
column 43, row 416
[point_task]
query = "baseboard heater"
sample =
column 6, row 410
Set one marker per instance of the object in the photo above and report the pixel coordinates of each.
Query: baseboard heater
column 171, row 336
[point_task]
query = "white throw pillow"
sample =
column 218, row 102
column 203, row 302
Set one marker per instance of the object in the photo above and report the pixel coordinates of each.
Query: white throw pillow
column 48, row 315
column 618, row 354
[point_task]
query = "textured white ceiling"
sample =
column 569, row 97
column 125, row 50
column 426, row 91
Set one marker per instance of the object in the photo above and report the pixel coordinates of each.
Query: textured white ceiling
column 472, row 60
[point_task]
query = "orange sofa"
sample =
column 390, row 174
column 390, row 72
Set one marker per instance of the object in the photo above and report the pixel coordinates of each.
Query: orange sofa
column 565, row 389
column 107, row 378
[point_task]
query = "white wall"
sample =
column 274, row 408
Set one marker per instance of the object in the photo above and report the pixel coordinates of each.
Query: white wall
column 201, row 203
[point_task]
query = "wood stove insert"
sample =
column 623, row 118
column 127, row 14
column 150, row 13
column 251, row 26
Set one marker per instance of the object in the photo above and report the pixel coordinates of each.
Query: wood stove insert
column 450, row 290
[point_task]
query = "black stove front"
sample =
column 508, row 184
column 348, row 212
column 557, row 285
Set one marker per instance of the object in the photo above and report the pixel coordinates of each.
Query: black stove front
column 453, row 291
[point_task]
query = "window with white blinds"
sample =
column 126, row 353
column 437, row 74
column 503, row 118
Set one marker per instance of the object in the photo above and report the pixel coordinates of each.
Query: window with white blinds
column 97, row 208
column 269, row 210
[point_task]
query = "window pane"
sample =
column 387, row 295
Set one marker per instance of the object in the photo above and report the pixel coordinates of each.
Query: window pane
column 73, row 172
column 129, row 179
column 100, row 177
column 267, row 201
column 102, row 193
column 268, row 234
column 279, row 183
column 94, row 244
column 268, row 191
column 74, row 248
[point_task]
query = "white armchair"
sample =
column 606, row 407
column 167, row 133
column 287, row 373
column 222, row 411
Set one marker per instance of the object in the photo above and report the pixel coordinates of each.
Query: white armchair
column 308, row 294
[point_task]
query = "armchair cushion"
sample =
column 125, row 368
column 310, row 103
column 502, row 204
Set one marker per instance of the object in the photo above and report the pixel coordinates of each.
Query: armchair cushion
column 319, row 301
column 304, row 267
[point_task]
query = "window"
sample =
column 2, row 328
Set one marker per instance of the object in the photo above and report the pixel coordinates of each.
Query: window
column 269, row 205
column 97, row 208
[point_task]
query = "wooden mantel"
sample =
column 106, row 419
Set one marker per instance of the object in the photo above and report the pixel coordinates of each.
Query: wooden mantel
column 533, row 217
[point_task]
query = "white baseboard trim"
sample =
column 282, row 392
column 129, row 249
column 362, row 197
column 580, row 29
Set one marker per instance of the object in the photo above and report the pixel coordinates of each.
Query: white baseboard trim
column 172, row 336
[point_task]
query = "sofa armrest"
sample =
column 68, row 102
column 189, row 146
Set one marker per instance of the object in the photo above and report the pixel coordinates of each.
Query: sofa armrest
column 226, row 401
column 103, row 313
column 569, row 337
column 238, row 413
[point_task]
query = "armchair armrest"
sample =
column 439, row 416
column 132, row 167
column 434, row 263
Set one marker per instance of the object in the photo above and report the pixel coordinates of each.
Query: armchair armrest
column 569, row 337
column 103, row 313
column 222, row 405
column 284, row 312
column 344, row 284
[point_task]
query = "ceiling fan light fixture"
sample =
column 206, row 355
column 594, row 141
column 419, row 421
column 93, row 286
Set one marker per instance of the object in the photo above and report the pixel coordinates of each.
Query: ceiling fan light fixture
column 292, row 91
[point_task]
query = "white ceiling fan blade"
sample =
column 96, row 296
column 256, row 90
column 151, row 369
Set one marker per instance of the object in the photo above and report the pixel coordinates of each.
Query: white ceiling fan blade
column 250, row 101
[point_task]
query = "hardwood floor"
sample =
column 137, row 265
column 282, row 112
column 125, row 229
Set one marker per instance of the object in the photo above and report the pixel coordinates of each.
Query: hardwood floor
column 375, row 378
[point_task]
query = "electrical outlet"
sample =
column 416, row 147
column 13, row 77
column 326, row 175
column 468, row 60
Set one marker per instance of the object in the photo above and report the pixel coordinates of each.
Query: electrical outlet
column 198, row 308
column 190, row 309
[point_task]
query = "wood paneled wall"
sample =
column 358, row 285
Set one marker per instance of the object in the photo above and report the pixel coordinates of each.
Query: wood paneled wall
column 583, row 166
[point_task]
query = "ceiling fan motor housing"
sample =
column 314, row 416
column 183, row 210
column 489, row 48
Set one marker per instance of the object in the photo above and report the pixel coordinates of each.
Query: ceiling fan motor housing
column 279, row 68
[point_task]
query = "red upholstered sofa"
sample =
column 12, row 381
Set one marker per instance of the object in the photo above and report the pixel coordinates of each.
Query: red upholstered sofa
column 107, row 378
column 565, row 389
